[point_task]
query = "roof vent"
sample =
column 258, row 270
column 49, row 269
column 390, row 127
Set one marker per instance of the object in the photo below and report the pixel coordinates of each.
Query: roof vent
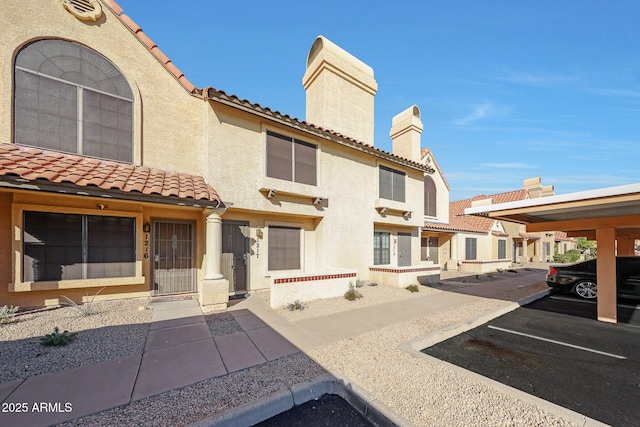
column 86, row 10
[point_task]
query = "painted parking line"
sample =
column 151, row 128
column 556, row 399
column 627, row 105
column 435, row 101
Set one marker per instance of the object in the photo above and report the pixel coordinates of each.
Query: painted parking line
column 556, row 342
column 632, row 307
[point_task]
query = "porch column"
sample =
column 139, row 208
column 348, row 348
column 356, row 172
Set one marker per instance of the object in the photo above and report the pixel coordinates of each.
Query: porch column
column 452, row 264
column 214, row 289
column 606, row 277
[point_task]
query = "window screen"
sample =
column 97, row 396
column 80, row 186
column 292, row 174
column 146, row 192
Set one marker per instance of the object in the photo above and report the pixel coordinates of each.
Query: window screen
column 391, row 184
column 291, row 159
column 381, row 248
column 284, row 248
column 470, row 248
column 69, row 98
column 67, row 246
column 429, row 196
column 502, row 249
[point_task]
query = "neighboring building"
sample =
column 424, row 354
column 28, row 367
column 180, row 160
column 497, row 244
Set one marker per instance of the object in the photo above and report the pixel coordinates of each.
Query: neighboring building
column 478, row 244
column 109, row 157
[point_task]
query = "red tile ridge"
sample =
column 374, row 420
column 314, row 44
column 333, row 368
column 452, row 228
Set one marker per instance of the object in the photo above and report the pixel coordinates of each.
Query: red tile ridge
column 151, row 46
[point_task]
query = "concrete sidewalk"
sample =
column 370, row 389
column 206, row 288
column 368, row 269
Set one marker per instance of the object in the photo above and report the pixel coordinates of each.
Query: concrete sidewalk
column 180, row 350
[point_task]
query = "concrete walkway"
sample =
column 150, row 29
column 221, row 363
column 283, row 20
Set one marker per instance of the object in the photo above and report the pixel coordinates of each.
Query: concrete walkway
column 179, row 351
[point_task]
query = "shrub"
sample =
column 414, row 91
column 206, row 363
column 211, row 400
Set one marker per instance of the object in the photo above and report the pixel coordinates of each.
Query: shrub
column 57, row 339
column 359, row 283
column 352, row 294
column 86, row 309
column 297, row 305
column 7, row 314
column 569, row 256
column 412, row 288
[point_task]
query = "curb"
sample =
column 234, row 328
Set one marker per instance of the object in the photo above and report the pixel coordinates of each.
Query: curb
column 414, row 346
column 276, row 403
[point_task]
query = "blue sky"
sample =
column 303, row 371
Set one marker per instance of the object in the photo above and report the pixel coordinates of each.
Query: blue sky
column 507, row 90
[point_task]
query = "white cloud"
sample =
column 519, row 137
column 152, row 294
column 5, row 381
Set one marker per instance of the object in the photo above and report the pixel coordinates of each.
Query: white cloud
column 513, row 165
column 532, row 79
column 482, row 111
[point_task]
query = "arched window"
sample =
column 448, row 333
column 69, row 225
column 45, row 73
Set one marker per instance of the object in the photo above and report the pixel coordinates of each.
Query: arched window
column 430, row 196
column 69, row 98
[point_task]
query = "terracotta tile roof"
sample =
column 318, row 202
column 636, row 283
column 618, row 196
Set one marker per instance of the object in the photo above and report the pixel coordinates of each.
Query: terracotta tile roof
column 456, row 209
column 153, row 48
column 244, row 104
column 58, row 168
column 562, row 236
column 455, row 225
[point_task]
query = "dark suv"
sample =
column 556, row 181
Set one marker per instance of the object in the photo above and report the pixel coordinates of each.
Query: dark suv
column 580, row 278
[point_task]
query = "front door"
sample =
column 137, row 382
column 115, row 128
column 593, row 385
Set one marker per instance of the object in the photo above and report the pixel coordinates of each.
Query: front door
column 404, row 249
column 235, row 254
column 173, row 258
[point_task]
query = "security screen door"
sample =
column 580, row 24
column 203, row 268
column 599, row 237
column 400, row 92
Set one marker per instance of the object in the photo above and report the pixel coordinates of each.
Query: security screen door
column 235, row 254
column 173, row 258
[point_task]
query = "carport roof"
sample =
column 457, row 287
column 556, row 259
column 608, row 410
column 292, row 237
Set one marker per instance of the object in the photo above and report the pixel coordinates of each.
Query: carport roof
column 616, row 207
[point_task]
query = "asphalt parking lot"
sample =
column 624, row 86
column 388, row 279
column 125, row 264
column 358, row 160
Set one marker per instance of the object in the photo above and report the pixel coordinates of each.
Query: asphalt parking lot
column 554, row 349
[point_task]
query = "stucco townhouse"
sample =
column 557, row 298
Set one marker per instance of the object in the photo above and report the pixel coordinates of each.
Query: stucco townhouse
column 117, row 174
column 479, row 244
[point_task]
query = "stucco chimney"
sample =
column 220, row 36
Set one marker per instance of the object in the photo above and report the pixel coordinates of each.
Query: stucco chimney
column 535, row 188
column 406, row 129
column 340, row 90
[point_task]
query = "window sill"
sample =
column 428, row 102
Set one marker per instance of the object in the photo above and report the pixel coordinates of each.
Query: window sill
column 76, row 284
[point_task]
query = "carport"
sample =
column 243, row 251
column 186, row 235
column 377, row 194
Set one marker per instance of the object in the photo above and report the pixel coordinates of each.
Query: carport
column 611, row 216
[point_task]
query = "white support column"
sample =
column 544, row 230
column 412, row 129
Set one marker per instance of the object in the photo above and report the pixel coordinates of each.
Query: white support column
column 452, row 264
column 213, row 244
column 214, row 288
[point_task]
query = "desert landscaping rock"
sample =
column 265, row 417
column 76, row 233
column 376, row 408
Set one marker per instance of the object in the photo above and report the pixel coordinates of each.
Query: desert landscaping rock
column 117, row 329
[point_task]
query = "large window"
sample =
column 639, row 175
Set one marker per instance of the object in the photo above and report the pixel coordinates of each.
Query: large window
column 291, row 159
column 69, row 98
column 430, row 196
column 391, row 184
column 470, row 248
column 502, row 249
column 284, row 248
column 381, row 252
column 69, row 246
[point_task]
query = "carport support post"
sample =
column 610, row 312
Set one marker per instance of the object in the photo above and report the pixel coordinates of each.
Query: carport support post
column 214, row 289
column 606, row 264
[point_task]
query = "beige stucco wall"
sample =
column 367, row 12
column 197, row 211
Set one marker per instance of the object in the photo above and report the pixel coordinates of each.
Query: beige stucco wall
column 169, row 128
column 338, row 232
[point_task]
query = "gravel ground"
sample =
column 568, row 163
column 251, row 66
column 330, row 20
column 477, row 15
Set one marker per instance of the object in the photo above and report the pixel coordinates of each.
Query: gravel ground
column 427, row 394
column 117, row 329
column 192, row 403
column 371, row 295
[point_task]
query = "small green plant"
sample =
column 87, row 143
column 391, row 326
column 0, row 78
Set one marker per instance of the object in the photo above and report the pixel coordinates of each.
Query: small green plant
column 352, row 294
column 412, row 288
column 359, row 283
column 86, row 309
column 57, row 339
column 7, row 314
column 297, row 305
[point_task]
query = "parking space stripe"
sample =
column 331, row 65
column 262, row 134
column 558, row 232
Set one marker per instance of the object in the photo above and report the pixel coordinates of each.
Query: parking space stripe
column 556, row 342
column 633, row 307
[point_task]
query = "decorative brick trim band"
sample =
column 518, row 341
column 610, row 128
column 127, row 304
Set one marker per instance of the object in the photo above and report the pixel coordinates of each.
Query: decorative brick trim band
column 487, row 262
column 312, row 278
column 400, row 270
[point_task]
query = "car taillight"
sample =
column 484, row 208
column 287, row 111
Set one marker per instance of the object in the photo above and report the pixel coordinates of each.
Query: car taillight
column 553, row 270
